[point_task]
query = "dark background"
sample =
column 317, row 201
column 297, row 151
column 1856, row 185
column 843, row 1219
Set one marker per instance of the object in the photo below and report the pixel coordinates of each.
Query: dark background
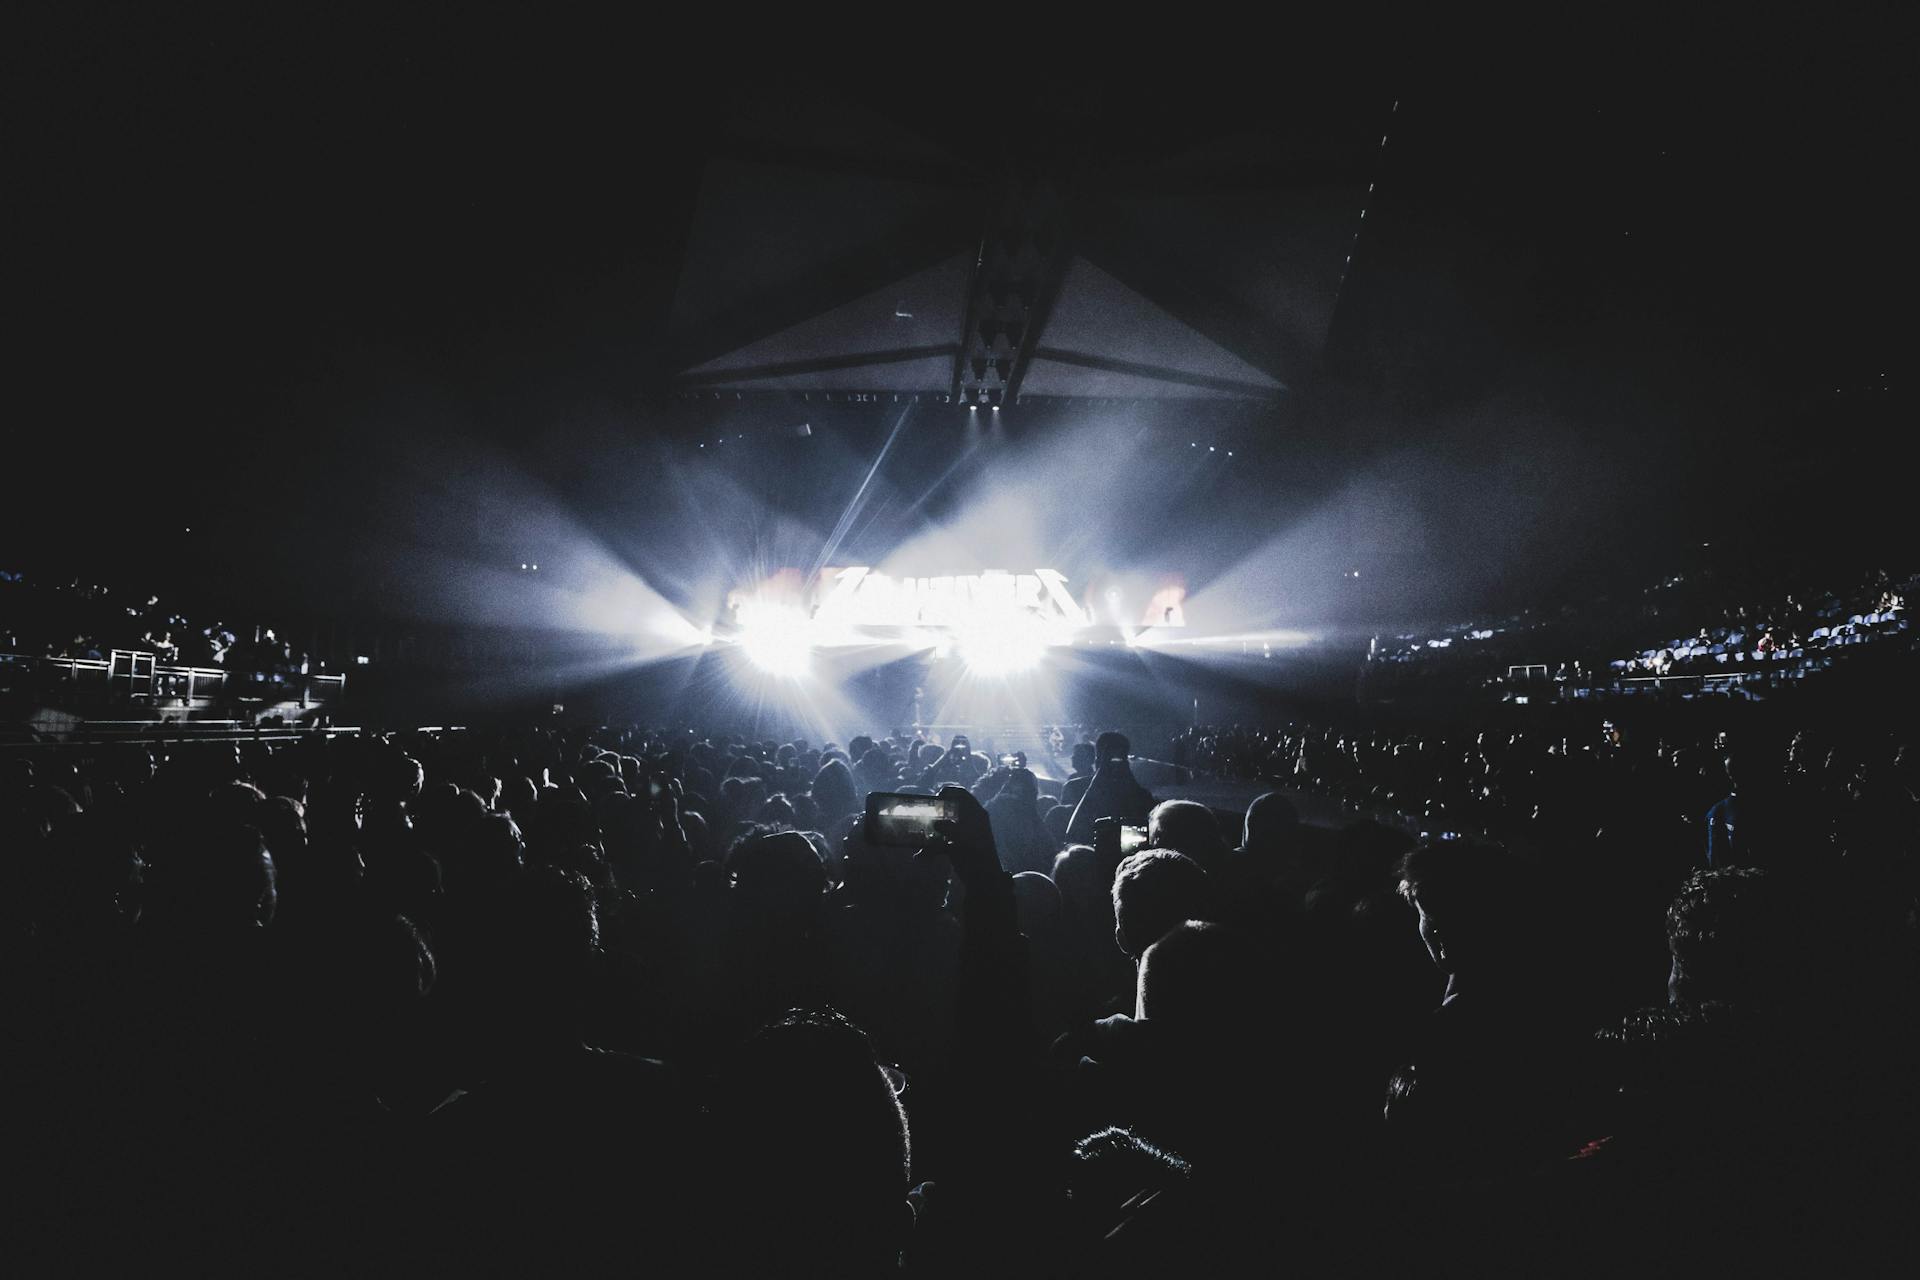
column 265, row 269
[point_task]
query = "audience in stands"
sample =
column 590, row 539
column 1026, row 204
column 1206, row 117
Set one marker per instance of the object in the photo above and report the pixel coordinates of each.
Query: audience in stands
column 1744, row 639
column 88, row 621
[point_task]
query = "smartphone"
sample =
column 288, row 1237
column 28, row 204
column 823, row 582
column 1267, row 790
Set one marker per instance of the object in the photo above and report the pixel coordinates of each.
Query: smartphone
column 1114, row 839
column 903, row 821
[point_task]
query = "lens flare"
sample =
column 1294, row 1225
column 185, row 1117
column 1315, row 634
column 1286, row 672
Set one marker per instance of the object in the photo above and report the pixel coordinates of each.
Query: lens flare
column 777, row 639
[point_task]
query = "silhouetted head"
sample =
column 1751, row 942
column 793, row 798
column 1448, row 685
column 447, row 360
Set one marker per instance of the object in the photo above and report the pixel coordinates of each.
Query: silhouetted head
column 1055, row 821
column 1076, row 874
column 131, row 764
column 94, row 874
column 220, row 879
column 399, row 779
column 1101, row 1157
column 1466, row 895
column 493, row 855
column 777, row 812
column 1735, row 937
column 1036, row 901
column 833, row 793
column 237, row 802
column 388, row 968
column 779, row 873
column 1189, row 827
column 1271, row 825
column 1154, row 890
column 547, row 937
column 519, row 797
column 1196, row 977
column 283, row 825
column 818, row 1139
column 1111, row 1171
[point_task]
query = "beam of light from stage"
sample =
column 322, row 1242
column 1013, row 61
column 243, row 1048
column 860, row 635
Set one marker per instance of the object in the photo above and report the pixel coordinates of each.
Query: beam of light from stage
column 773, row 692
column 964, row 694
column 1024, row 505
column 578, row 614
column 593, row 605
column 1428, row 535
column 831, row 548
column 1164, row 640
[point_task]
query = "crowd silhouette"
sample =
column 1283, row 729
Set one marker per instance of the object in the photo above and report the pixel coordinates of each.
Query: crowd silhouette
column 639, row 1001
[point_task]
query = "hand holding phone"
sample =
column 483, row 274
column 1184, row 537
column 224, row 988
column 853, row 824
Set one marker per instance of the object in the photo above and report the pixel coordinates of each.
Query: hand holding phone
column 967, row 840
column 901, row 821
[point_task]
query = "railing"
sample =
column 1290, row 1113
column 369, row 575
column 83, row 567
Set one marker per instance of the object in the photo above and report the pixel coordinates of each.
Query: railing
column 1702, row 679
column 140, row 677
column 1742, row 668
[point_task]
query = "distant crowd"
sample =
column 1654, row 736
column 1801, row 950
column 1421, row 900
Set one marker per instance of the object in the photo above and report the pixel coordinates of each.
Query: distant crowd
column 1732, row 629
column 89, row 620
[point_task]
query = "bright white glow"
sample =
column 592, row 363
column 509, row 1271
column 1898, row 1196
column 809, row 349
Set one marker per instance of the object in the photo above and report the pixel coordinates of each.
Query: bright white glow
column 1163, row 638
column 669, row 626
column 858, row 597
column 776, row 638
column 1016, row 644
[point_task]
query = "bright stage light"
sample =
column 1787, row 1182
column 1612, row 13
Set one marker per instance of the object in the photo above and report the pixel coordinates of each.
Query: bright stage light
column 777, row 639
column 1013, row 645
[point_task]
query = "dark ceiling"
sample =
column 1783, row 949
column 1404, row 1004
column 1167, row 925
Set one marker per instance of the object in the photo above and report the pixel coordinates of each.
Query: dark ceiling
column 248, row 255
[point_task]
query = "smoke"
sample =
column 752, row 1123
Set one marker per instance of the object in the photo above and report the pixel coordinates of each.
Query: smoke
column 1492, row 506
